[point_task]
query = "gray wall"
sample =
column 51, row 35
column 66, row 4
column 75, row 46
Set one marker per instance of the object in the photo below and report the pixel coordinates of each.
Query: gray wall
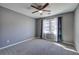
column 77, row 28
column 38, row 28
column 14, row 27
column 67, row 26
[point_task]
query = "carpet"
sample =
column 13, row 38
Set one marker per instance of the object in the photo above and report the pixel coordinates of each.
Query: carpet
column 36, row 47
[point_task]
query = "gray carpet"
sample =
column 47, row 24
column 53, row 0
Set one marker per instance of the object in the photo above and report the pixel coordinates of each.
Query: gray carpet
column 36, row 47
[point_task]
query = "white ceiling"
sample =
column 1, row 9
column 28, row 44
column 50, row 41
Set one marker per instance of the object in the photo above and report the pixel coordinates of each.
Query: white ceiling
column 56, row 8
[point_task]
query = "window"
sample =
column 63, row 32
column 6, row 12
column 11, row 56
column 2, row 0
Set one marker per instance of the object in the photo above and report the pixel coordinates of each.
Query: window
column 46, row 26
column 50, row 26
column 54, row 26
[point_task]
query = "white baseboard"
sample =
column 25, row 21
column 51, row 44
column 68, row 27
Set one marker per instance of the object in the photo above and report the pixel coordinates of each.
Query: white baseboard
column 16, row 43
column 68, row 43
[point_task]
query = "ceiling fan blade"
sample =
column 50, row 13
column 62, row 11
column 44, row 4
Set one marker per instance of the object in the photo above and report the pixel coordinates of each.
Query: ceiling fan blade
column 45, row 5
column 34, row 11
column 34, row 7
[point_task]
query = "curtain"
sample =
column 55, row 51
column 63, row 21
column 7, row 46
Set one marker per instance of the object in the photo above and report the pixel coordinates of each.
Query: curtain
column 59, row 37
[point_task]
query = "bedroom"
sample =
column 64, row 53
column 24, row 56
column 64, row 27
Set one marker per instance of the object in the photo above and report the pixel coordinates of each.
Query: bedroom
column 30, row 30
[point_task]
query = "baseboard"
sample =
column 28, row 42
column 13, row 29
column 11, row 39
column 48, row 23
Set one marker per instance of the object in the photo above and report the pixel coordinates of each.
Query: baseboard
column 16, row 43
column 68, row 43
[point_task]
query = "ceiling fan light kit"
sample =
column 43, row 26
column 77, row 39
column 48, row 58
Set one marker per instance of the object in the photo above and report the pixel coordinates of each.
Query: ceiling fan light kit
column 40, row 11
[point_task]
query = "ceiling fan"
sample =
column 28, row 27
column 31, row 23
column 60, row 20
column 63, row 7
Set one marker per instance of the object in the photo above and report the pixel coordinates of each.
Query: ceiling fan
column 40, row 8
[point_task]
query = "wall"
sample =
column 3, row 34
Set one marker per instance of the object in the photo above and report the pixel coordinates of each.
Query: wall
column 38, row 28
column 77, row 28
column 67, row 26
column 14, row 27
